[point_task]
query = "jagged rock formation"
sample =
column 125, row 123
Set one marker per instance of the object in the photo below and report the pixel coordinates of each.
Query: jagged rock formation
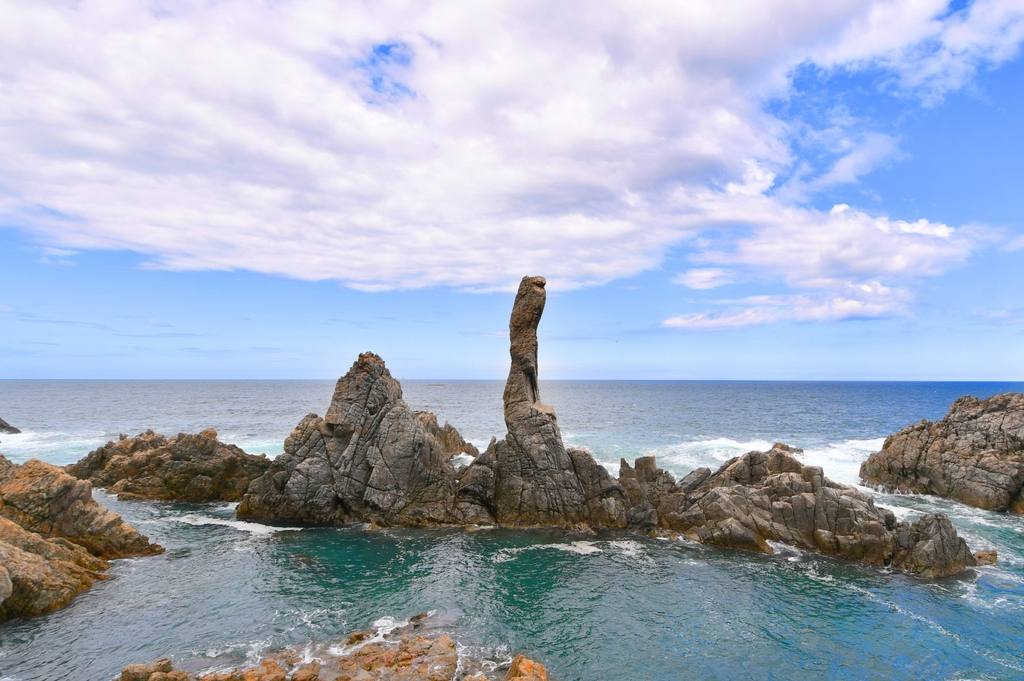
column 408, row 653
column 54, row 538
column 450, row 440
column 771, row 496
column 974, row 455
column 196, row 468
column 40, row 575
column 8, row 428
column 373, row 460
column 43, row 498
column 536, row 481
column 370, row 459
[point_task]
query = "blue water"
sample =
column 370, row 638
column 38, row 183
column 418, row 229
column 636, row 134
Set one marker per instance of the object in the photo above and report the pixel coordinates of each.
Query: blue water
column 588, row 607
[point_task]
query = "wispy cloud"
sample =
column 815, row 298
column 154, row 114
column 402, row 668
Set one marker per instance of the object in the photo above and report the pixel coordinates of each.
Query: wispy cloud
column 866, row 301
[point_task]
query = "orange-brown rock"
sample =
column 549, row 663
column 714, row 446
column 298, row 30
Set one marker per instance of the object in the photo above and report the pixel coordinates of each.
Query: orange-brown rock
column 524, row 669
column 195, row 468
column 40, row 575
column 408, row 653
column 43, row 498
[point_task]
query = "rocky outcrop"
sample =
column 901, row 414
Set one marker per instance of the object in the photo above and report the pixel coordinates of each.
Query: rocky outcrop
column 764, row 497
column 44, row 499
column 40, row 575
column 8, row 428
column 408, row 653
column 194, row 468
column 370, row 459
column 536, row 481
column 447, row 436
column 974, row 455
column 54, row 539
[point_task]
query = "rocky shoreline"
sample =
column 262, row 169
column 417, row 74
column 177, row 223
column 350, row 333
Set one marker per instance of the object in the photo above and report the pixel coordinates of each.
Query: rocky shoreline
column 974, row 455
column 194, row 468
column 55, row 540
column 415, row 651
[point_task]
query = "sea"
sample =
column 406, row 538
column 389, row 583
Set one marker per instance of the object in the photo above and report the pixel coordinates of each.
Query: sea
column 589, row 607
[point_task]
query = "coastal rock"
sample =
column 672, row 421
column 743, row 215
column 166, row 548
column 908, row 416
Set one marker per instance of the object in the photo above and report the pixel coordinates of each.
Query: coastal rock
column 447, row 436
column 408, row 653
column 40, row 575
column 770, row 496
column 371, row 459
column 8, row 428
column 536, row 481
column 194, row 468
column 974, row 455
column 43, row 498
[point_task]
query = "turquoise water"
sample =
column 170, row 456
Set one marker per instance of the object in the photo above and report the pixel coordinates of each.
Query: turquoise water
column 589, row 607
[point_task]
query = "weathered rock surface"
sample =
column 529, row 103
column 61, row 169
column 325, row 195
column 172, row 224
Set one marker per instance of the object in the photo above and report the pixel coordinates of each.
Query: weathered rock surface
column 195, row 468
column 974, row 455
column 43, row 498
column 373, row 460
column 54, row 538
column 370, row 459
column 8, row 428
column 447, row 436
column 536, row 481
column 40, row 575
column 409, row 653
column 771, row 496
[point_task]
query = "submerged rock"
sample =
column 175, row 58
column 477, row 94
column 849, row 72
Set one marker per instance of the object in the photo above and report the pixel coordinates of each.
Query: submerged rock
column 43, row 498
column 974, row 455
column 407, row 653
column 195, row 468
column 8, row 428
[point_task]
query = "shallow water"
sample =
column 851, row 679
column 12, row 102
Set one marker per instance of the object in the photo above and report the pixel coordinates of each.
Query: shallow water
column 587, row 607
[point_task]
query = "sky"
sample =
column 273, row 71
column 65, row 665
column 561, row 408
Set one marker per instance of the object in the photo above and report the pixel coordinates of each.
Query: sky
column 726, row 191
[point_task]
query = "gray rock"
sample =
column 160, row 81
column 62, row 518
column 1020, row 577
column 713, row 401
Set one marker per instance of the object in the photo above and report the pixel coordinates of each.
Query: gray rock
column 194, row 468
column 771, row 496
column 371, row 459
column 8, row 428
column 974, row 455
column 447, row 436
column 537, row 482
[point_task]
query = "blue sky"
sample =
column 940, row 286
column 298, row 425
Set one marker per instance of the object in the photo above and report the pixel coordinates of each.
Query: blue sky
column 780, row 192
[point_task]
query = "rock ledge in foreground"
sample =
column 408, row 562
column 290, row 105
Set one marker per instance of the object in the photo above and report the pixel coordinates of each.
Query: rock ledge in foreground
column 409, row 653
column 194, row 468
column 974, row 455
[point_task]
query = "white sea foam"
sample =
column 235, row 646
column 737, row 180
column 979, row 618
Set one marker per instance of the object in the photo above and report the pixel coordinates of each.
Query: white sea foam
column 255, row 529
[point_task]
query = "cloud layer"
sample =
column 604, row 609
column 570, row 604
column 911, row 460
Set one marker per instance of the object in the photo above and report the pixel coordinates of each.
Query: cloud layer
column 400, row 145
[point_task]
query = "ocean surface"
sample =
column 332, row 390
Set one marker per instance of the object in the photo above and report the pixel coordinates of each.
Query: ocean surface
column 589, row 608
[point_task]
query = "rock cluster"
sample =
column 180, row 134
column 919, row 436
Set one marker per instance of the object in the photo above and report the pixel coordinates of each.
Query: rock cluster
column 8, row 428
column 373, row 460
column 195, row 468
column 404, row 654
column 55, row 540
column 763, row 497
column 974, row 455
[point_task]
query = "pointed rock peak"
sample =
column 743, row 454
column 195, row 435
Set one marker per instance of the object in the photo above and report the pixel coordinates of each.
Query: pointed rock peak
column 368, row 386
column 521, row 389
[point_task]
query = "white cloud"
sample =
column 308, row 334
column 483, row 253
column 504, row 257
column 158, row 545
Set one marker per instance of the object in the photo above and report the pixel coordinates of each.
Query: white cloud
column 864, row 301
column 491, row 140
column 705, row 278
